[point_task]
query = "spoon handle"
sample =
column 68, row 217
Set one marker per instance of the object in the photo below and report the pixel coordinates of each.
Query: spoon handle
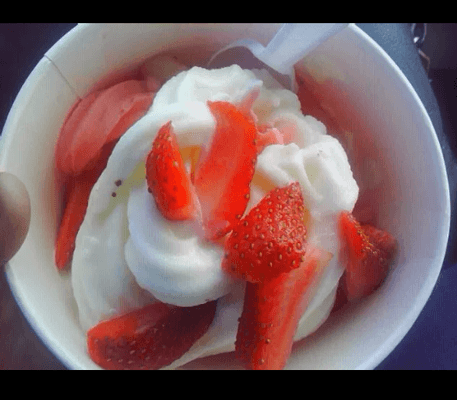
column 293, row 41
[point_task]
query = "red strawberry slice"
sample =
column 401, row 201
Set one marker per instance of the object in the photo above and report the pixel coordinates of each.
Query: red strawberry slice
column 99, row 118
column 73, row 217
column 75, row 209
column 271, row 313
column 167, row 178
column 224, row 173
column 367, row 253
column 149, row 338
column 266, row 136
column 270, row 239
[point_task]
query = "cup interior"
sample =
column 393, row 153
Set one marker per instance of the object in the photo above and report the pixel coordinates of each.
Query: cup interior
column 388, row 136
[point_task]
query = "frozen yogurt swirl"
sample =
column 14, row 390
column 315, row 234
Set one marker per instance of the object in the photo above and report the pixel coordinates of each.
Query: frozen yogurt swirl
column 127, row 254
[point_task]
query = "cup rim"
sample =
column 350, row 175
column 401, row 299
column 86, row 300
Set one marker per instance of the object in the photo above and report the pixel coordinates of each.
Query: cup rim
column 402, row 330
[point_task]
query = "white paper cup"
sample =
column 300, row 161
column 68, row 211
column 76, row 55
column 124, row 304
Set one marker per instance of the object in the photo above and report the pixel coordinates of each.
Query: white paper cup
column 407, row 172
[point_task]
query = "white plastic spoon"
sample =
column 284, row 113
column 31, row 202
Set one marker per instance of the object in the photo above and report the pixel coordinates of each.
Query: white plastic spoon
column 290, row 44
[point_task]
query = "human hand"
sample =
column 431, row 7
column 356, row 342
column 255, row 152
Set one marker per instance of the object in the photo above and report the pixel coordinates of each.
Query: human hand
column 14, row 215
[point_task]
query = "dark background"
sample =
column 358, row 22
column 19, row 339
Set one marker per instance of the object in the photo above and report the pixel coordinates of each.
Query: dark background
column 432, row 341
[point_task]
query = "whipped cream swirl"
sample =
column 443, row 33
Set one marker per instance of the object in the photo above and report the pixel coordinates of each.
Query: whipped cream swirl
column 128, row 255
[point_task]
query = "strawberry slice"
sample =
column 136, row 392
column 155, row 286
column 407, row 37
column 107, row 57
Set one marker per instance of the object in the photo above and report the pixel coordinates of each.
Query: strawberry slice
column 148, row 338
column 367, row 254
column 271, row 313
column 224, row 173
column 75, row 209
column 99, row 118
column 266, row 136
column 270, row 239
column 73, row 217
column 167, row 178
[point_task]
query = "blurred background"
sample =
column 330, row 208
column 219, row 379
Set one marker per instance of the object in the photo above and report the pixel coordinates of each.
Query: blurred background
column 424, row 52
